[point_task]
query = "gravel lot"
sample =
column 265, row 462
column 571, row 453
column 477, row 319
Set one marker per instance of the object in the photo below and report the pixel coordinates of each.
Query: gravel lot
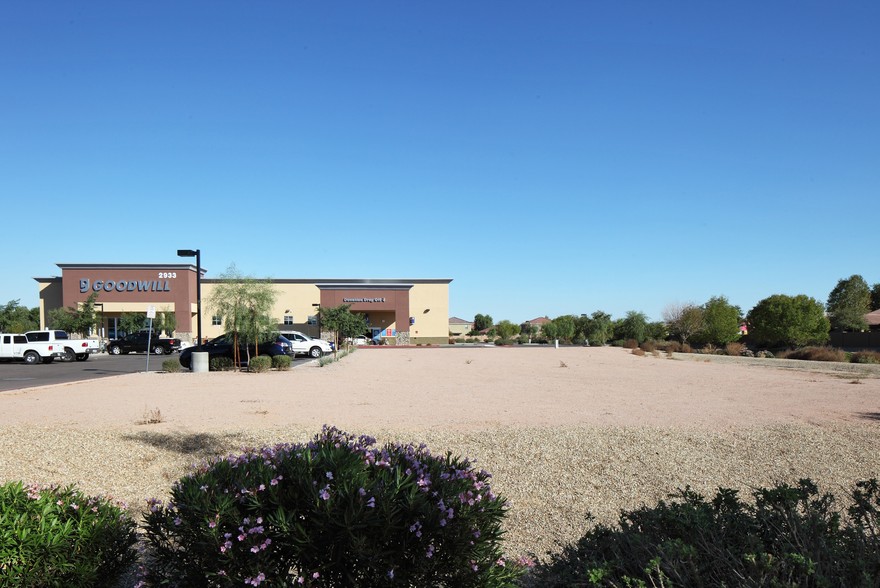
column 564, row 431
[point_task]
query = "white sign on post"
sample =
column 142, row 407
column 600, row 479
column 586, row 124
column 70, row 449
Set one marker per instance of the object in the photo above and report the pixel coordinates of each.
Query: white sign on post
column 151, row 312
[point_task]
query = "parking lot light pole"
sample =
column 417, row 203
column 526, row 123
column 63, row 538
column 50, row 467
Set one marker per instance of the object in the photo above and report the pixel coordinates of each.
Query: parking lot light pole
column 197, row 253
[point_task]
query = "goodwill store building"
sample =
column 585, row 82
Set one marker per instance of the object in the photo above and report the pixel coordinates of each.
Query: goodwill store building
column 400, row 311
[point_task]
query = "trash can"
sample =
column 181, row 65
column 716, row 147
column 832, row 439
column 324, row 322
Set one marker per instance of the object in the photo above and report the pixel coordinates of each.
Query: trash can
column 200, row 361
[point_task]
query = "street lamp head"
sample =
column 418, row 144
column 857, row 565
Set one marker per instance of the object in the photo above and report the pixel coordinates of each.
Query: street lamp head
column 187, row 252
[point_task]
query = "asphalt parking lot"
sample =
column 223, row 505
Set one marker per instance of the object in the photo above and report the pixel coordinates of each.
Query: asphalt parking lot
column 18, row 375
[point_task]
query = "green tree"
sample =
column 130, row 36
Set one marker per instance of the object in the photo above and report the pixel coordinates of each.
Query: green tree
column 781, row 321
column 342, row 322
column 506, row 329
column 721, row 321
column 482, row 321
column 527, row 329
column 77, row 320
column 15, row 318
column 875, row 297
column 633, row 326
column 566, row 327
column 244, row 305
column 683, row 320
column 599, row 328
column 550, row 331
column 165, row 321
column 132, row 322
column 848, row 304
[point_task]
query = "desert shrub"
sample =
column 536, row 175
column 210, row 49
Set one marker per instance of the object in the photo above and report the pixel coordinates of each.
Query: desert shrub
column 709, row 349
column 865, row 356
column 220, row 364
column 686, row 348
column 59, row 537
column 638, row 351
column 337, row 511
column 260, row 364
column 735, row 349
column 672, row 346
column 171, row 366
column 814, row 354
column 503, row 341
column 281, row 362
column 788, row 536
column 648, row 346
column 630, row 344
column 765, row 354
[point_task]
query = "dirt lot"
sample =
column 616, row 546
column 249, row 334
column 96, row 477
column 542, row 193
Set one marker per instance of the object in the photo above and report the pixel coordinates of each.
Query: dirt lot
column 564, row 431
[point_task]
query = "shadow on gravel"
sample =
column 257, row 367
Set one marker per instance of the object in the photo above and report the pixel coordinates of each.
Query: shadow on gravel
column 873, row 416
column 199, row 445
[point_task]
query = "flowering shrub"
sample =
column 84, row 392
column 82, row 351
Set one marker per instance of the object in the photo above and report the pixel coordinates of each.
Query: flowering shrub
column 337, row 511
column 52, row 536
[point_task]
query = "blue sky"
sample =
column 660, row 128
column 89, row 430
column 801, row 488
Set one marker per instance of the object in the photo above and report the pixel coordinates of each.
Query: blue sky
column 550, row 158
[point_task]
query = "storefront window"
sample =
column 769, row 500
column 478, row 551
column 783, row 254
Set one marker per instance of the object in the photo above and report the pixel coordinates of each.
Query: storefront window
column 288, row 319
column 215, row 321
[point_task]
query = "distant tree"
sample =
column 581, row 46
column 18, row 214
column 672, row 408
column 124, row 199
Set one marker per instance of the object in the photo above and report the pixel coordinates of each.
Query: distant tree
column 78, row 320
column 599, row 328
column 165, row 321
column 132, row 322
column 683, row 320
column 482, row 321
column 633, row 326
column 527, row 329
column 848, row 304
column 506, row 329
column 244, row 305
column 721, row 321
column 15, row 318
column 342, row 322
column 550, row 331
column 781, row 321
column 656, row 331
column 566, row 327
column 875, row 297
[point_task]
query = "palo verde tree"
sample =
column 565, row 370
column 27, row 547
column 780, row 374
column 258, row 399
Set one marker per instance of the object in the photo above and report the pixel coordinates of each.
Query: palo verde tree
column 244, row 305
column 848, row 304
column 781, row 321
column 341, row 322
column 80, row 319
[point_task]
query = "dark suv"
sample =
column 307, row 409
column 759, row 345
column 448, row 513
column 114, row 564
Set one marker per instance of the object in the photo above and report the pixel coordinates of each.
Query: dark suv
column 222, row 347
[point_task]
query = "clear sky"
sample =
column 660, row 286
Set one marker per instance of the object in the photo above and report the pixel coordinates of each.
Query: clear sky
column 548, row 157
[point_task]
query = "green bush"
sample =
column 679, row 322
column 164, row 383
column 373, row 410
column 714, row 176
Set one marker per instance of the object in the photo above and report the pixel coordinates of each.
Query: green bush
column 51, row 536
column 281, row 362
column 503, row 341
column 172, row 366
column 260, row 364
column 790, row 536
column 220, row 364
column 334, row 512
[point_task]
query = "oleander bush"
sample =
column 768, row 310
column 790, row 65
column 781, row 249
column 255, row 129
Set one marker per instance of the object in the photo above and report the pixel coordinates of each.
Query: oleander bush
column 337, row 511
column 281, row 362
column 260, row 364
column 171, row 366
column 220, row 364
column 788, row 536
column 59, row 537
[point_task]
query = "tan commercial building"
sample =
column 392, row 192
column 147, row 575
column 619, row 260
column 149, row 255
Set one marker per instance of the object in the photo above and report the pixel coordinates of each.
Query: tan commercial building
column 400, row 311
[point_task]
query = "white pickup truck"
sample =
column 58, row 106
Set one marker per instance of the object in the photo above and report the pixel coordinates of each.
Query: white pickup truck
column 78, row 349
column 14, row 346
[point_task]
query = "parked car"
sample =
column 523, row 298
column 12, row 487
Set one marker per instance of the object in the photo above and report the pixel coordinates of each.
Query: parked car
column 302, row 344
column 137, row 343
column 222, row 346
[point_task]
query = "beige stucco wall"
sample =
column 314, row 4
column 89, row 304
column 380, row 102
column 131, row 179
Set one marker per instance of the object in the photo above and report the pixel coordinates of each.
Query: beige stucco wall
column 429, row 306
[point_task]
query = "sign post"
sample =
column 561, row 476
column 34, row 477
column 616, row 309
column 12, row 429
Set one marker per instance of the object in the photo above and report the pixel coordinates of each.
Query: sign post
column 151, row 314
